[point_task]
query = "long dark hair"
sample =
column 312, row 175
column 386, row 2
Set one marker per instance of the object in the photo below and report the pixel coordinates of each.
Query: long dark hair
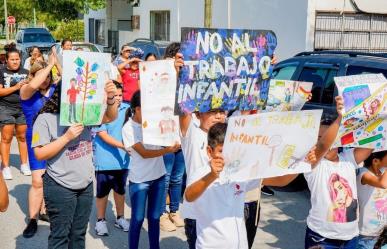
column 382, row 240
column 376, row 155
column 52, row 105
column 134, row 102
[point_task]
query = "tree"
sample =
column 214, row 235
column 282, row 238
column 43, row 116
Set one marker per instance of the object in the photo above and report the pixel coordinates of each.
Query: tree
column 73, row 29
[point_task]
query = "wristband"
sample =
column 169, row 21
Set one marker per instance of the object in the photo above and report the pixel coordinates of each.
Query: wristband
column 111, row 97
column 111, row 103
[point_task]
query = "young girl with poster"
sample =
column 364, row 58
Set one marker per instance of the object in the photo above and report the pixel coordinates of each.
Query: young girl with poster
column 371, row 187
column 146, row 177
column 333, row 218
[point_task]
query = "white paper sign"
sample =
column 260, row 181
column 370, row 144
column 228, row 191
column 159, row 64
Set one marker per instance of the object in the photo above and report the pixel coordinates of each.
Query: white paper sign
column 158, row 87
column 83, row 87
column 269, row 144
column 364, row 122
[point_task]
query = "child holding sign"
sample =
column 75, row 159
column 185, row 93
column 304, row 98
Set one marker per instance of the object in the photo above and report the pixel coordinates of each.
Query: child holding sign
column 371, row 185
column 333, row 218
column 219, row 208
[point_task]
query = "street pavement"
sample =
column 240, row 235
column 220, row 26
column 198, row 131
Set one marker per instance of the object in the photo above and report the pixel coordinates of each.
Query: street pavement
column 282, row 222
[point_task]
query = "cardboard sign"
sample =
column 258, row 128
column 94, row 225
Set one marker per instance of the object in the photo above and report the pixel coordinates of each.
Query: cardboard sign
column 224, row 69
column 364, row 121
column 269, row 144
column 83, row 87
column 158, row 85
column 287, row 95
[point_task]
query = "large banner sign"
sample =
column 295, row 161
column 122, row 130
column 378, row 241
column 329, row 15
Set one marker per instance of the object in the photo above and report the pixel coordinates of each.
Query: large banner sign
column 287, row 95
column 224, row 69
column 158, row 85
column 269, row 144
column 364, row 121
column 83, row 87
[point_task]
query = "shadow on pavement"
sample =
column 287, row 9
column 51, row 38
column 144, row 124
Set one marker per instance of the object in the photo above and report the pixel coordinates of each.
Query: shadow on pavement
column 173, row 242
column 20, row 192
column 39, row 241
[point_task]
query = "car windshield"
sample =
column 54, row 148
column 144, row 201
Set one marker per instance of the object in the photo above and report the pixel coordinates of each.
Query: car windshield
column 38, row 37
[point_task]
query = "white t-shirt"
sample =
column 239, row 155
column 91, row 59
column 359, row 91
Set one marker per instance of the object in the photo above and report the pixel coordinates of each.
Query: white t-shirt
column 141, row 169
column 334, row 211
column 27, row 64
column 114, row 72
column 194, row 147
column 372, row 205
column 219, row 214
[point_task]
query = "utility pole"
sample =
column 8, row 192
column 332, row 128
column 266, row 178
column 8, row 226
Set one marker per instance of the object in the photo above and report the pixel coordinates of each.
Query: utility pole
column 207, row 13
column 6, row 21
column 34, row 18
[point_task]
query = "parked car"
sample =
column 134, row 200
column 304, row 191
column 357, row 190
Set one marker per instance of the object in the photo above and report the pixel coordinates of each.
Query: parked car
column 30, row 37
column 150, row 46
column 85, row 46
column 320, row 68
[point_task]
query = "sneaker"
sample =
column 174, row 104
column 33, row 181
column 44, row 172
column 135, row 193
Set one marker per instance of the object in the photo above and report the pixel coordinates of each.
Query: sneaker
column 101, row 228
column 176, row 219
column 7, row 174
column 122, row 224
column 166, row 224
column 267, row 191
column 31, row 229
column 25, row 169
column 44, row 217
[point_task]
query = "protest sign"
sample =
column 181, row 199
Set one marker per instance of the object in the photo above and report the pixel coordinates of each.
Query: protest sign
column 158, row 86
column 287, row 95
column 83, row 87
column 364, row 121
column 269, row 144
column 224, row 69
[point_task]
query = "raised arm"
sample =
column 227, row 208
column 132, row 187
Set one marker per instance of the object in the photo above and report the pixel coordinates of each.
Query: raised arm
column 328, row 138
column 112, row 105
column 374, row 181
column 361, row 154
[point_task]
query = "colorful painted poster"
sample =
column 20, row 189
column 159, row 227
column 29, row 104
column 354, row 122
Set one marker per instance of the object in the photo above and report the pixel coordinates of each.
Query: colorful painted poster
column 269, row 144
column 287, row 95
column 83, row 87
column 364, row 121
column 224, row 69
column 158, row 86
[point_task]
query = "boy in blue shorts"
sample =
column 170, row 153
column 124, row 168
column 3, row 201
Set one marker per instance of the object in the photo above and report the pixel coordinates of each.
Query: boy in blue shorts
column 111, row 167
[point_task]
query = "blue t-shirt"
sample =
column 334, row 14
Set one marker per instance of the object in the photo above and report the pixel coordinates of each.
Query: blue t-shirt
column 107, row 157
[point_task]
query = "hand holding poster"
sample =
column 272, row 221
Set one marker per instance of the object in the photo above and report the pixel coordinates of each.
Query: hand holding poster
column 269, row 144
column 158, row 86
column 287, row 95
column 364, row 121
column 224, row 69
column 83, row 87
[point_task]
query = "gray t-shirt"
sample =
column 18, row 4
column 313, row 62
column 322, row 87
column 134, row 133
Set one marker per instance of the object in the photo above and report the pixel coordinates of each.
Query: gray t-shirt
column 72, row 167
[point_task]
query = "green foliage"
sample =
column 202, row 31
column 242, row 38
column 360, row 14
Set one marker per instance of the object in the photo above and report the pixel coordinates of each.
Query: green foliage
column 71, row 29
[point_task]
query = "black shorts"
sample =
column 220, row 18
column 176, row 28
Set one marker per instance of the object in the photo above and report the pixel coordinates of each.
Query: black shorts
column 111, row 179
column 11, row 115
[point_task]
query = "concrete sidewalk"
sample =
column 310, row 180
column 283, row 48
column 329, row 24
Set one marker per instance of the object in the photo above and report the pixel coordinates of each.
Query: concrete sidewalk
column 282, row 222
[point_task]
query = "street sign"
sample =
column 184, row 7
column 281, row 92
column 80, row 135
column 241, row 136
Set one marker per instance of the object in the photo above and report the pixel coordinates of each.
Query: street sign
column 11, row 20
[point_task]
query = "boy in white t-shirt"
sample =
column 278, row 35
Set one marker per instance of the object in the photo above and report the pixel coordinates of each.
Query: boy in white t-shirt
column 333, row 218
column 219, row 208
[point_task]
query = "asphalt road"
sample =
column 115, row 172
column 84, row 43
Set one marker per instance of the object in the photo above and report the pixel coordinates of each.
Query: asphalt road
column 282, row 222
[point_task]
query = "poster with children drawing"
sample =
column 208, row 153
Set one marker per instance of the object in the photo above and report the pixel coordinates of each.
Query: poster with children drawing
column 364, row 122
column 287, row 95
column 158, row 85
column 269, row 144
column 83, row 87
column 224, row 69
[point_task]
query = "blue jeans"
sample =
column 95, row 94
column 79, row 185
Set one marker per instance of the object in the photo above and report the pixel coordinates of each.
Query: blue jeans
column 69, row 212
column 153, row 191
column 190, row 232
column 175, row 167
column 314, row 239
column 366, row 242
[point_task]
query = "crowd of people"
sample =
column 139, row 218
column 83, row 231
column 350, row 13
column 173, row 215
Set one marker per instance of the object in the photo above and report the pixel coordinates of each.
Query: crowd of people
column 348, row 202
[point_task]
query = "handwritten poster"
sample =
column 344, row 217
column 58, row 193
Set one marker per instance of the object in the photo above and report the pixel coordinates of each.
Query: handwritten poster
column 287, row 95
column 83, row 87
column 158, row 86
column 269, row 144
column 364, row 121
column 224, row 69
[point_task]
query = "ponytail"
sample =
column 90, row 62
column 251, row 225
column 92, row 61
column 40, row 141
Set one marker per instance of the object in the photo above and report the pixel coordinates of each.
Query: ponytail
column 134, row 102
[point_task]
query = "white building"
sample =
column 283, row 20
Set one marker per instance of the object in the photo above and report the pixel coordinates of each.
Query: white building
column 299, row 24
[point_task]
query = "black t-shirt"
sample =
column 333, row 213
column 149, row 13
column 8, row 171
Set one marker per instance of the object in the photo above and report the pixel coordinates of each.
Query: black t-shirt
column 9, row 78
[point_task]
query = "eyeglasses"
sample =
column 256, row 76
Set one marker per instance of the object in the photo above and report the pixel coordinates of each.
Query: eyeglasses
column 126, row 51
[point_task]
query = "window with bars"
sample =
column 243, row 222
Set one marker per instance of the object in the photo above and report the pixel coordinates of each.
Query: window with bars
column 349, row 31
column 160, row 25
